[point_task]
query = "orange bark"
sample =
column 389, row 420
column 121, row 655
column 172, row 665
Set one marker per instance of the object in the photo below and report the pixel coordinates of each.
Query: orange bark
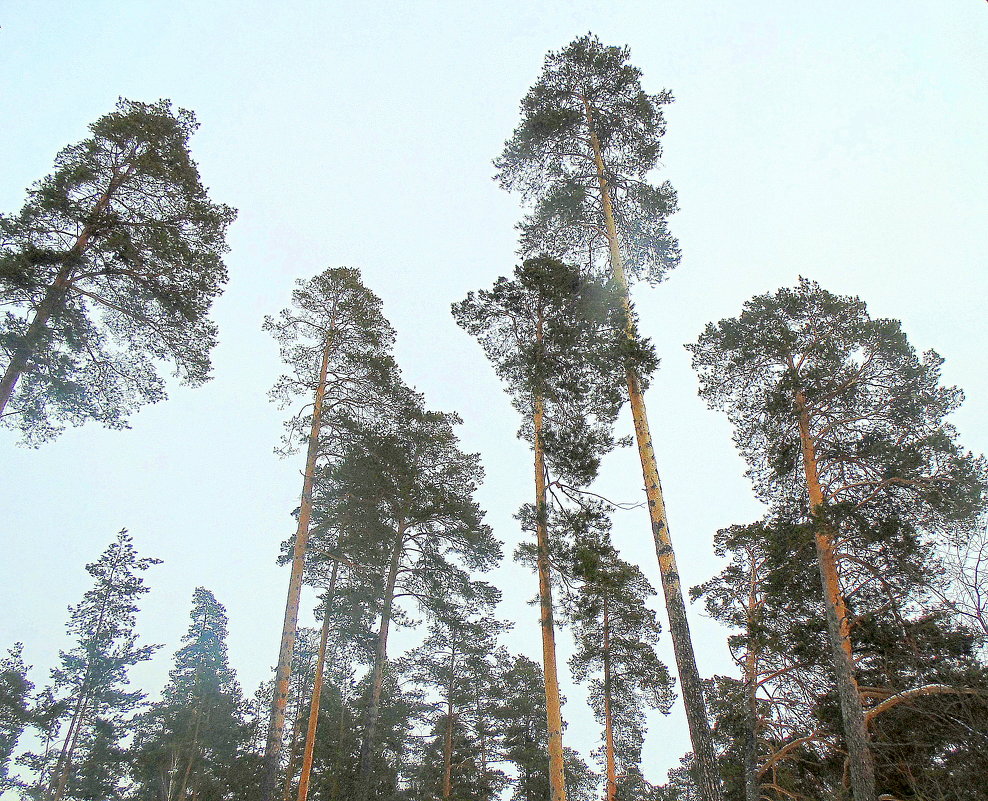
column 708, row 776
column 276, row 727
column 554, row 718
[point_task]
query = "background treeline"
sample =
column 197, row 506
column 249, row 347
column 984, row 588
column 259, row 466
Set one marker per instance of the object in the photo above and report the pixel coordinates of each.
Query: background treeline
column 856, row 606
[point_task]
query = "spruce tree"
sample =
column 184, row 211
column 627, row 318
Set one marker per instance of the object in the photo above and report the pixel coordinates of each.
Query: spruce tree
column 15, row 708
column 588, row 137
column 843, row 427
column 192, row 743
column 88, row 687
column 110, row 266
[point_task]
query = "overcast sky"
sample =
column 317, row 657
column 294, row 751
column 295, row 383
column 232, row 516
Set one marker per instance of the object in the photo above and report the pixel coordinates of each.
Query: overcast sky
column 844, row 141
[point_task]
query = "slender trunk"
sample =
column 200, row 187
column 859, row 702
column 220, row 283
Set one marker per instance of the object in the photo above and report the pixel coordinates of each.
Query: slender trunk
column 68, row 749
column 54, row 297
column 293, row 748
column 608, row 720
column 860, row 761
column 751, row 703
column 448, row 739
column 707, row 773
column 276, row 726
column 310, row 734
column 554, row 717
column 482, row 732
column 380, row 660
column 192, row 751
column 334, row 791
column 64, row 761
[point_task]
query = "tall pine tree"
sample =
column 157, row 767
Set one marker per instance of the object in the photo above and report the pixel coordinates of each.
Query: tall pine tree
column 111, row 266
column 588, row 137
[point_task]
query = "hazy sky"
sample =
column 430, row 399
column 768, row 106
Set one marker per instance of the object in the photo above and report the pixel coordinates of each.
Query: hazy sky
column 841, row 141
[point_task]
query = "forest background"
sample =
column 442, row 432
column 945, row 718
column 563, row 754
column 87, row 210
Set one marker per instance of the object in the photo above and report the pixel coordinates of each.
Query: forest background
column 843, row 143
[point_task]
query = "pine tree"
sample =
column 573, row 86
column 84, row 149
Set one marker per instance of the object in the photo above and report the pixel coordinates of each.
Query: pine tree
column 337, row 345
column 843, row 425
column 408, row 490
column 192, row 743
column 88, row 685
column 523, row 737
column 111, row 265
column 15, row 709
column 616, row 635
column 553, row 338
column 588, row 137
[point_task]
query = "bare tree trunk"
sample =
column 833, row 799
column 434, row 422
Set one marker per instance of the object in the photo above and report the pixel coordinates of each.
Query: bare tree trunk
column 554, row 717
column 611, row 792
column 373, row 708
column 310, row 734
column 276, row 727
column 860, row 760
column 707, row 773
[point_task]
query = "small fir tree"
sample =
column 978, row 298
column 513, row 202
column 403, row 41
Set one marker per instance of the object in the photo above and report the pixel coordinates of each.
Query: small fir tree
column 87, row 690
column 192, row 743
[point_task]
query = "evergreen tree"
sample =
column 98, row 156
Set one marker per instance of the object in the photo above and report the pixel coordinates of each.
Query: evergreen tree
column 843, row 427
column 447, row 662
column 523, row 737
column 15, row 709
column 616, row 635
column 111, row 265
column 552, row 337
column 588, row 137
column 408, row 489
column 191, row 743
column 87, row 687
column 336, row 344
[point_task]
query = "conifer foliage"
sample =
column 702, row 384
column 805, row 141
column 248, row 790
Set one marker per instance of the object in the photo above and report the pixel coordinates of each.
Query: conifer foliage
column 86, row 759
column 111, row 265
column 588, row 137
column 191, row 743
column 843, row 427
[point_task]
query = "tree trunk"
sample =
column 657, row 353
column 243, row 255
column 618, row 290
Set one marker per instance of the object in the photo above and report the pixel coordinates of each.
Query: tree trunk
column 707, row 773
column 611, row 793
column 192, row 750
column 860, row 761
column 310, row 734
column 448, row 739
column 554, row 717
column 276, row 727
column 54, row 297
column 293, row 748
column 381, row 658
column 751, row 702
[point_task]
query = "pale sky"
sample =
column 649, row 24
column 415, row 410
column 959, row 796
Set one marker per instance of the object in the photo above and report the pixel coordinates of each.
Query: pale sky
column 844, row 142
